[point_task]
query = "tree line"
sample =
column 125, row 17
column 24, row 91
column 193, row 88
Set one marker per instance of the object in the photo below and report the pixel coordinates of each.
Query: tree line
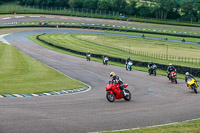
column 159, row 9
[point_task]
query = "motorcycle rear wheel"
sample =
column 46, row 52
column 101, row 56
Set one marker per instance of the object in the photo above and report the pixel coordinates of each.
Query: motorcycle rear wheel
column 110, row 97
column 127, row 97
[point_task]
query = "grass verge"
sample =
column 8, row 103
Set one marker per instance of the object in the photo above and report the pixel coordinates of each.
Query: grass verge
column 21, row 74
column 137, row 48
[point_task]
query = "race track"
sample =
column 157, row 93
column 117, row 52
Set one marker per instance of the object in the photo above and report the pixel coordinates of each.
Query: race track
column 90, row 111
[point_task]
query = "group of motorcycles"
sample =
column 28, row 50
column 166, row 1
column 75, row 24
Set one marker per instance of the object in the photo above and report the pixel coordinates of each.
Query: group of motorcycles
column 105, row 59
column 114, row 92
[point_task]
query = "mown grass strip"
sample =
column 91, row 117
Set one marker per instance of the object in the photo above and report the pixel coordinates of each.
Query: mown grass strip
column 112, row 45
column 21, row 74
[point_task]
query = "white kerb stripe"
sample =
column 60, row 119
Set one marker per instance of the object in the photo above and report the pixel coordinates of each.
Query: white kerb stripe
column 17, row 95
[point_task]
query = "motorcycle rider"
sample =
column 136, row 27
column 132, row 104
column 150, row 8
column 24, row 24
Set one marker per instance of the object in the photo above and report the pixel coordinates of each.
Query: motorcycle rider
column 188, row 75
column 104, row 56
column 170, row 69
column 116, row 80
column 88, row 55
column 150, row 64
column 128, row 59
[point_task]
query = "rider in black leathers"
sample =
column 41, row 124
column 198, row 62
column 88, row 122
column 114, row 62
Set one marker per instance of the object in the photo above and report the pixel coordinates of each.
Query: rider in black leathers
column 170, row 69
column 150, row 64
column 104, row 56
column 87, row 56
column 116, row 80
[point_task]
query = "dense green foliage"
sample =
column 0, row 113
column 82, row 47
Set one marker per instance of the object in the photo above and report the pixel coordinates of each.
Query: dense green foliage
column 187, row 10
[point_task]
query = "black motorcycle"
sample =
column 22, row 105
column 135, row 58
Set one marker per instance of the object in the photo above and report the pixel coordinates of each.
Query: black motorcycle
column 152, row 70
column 105, row 60
column 88, row 57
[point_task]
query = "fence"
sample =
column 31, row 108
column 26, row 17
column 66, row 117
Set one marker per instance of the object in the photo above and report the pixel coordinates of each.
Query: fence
column 157, row 56
column 180, row 69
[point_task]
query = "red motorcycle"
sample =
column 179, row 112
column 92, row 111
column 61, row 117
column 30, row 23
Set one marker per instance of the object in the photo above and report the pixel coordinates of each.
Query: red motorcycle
column 114, row 92
column 172, row 77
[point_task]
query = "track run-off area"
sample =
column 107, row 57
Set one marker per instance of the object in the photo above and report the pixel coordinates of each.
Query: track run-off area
column 90, row 111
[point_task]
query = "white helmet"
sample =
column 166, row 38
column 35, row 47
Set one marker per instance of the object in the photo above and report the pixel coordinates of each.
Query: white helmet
column 170, row 64
column 187, row 74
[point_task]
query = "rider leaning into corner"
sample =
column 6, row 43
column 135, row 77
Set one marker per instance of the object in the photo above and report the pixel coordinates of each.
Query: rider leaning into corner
column 150, row 64
column 128, row 59
column 116, row 80
column 188, row 75
column 170, row 69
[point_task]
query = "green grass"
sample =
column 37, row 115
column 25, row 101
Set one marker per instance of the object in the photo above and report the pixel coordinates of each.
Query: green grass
column 21, row 74
column 184, row 127
column 71, row 43
column 164, row 30
column 111, row 45
column 188, row 39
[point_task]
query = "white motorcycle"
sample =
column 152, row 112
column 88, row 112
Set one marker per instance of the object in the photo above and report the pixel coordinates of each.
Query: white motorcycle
column 105, row 61
column 129, row 66
column 88, row 57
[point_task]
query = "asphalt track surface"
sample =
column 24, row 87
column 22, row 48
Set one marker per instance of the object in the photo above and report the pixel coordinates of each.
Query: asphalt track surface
column 154, row 99
column 25, row 17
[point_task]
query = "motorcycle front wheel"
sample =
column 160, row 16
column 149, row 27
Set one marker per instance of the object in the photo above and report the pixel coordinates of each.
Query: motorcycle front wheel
column 154, row 73
column 194, row 88
column 128, row 96
column 175, row 80
column 110, row 97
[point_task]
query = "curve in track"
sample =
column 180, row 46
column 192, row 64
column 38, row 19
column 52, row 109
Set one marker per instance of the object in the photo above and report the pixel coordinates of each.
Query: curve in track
column 88, row 112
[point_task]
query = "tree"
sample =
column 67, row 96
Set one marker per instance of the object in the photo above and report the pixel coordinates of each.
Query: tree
column 75, row 3
column 90, row 4
column 187, row 9
column 131, row 8
column 103, row 5
column 163, row 7
column 144, row 11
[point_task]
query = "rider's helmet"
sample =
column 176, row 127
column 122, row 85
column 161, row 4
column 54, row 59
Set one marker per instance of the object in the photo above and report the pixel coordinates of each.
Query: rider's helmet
column 129, row 57
column 187, row 74
column 151, row 61
column 170, row 64
column 112, row 74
